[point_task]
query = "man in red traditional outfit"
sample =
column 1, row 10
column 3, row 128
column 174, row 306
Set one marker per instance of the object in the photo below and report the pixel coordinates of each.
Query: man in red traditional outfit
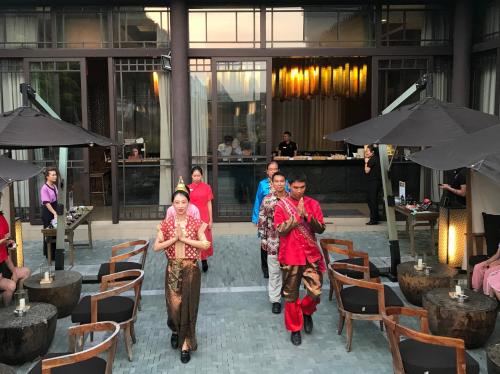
column 297, row 218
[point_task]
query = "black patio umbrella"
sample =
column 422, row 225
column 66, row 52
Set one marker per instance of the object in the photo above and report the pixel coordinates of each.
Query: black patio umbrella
column 25, row 127
column 424, row 123
column 14, row 170
column 479, row 151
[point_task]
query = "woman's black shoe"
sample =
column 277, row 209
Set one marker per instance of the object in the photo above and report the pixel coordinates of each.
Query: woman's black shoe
column 174, row 341
column 204, row 265
column 372, row 223
column 185, row 356
column 308, row 324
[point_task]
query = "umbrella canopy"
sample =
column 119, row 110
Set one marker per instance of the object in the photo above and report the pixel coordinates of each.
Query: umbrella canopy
column 25, row 127
column 14, row 170
column 479, row 151
column 425, row 123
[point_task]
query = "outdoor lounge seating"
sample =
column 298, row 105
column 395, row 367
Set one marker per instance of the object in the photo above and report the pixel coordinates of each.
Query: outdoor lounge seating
column 353, row 257
column 86, row 361
column 422, row 352
column 363, row 300
column 110, row 305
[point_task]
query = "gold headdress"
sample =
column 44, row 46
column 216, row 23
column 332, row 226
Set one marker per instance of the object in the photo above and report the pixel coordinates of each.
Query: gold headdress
column 181, row 186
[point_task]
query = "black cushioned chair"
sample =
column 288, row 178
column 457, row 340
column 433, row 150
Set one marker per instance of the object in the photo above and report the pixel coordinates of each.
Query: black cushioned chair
column 118, row 262
column 422, row 352
column 331, row 246
column 110, row 305
column 86, row 361
column 360, row 299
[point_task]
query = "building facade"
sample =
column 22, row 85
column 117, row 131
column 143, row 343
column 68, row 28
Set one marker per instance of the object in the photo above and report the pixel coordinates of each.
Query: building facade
column 215, row 84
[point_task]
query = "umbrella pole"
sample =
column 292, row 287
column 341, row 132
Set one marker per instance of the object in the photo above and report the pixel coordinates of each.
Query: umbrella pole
column 63, row 174
column 386, row 183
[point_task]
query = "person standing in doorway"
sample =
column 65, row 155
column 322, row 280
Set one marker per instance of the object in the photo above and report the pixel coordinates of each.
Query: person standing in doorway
column 374, row 182
column 201, row 196
column 270, row 239
column 297, row 218
column 48, row 197
column 287, row 147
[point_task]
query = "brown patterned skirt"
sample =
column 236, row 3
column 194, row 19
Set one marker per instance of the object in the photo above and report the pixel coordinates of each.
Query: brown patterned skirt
column 182, row 294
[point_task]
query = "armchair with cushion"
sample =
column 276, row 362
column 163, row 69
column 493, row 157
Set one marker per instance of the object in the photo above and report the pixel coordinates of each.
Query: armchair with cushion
column 110, row 305
column 353, row 257
column 85, row 361
column 422, row 352
column 118, row 261
column 360, row 299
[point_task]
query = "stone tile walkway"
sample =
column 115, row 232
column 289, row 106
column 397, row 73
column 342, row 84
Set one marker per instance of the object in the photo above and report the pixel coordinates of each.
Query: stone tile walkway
column 236, row 331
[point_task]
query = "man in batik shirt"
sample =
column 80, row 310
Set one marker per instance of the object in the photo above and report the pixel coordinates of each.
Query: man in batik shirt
column 297, row 218
column 270, row 239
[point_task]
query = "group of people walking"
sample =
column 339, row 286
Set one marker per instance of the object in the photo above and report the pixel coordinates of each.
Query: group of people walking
column 287, row 222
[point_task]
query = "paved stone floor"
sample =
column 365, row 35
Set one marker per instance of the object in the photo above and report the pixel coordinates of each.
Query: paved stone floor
column 236, row 331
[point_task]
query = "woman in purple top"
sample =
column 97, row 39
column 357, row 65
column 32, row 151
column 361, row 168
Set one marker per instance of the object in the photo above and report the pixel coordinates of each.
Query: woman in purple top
column 48, row 197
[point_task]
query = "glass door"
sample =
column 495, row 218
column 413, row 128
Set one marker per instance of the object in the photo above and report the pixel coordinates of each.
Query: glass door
column 240, row 137
column 62, row 84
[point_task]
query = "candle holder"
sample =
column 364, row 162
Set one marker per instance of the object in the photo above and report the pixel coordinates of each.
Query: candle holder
column 46, row 274
column 21, row 302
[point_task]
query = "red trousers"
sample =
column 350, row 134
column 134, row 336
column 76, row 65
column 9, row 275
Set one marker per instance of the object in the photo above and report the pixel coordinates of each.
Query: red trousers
column 293, row 275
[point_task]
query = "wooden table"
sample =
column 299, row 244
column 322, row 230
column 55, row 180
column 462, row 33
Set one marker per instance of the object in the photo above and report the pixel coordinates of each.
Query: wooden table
column 414, row 283
column 63, row 292
column 50, row 234
column 473, row 320
column 425, row 218
column 28, row 337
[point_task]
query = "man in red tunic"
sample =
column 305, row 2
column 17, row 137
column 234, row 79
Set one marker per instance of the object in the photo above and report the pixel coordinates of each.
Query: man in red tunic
column 297, row 218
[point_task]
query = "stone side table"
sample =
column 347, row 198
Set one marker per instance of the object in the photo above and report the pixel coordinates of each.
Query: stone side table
column 63, row 292
column 28, row 337
column 473, row 320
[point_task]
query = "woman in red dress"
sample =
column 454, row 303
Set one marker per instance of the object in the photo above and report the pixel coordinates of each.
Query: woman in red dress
column 201, row 196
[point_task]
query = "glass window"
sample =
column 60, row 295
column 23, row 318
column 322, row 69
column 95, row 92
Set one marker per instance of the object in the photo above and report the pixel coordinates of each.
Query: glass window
column 146, row 27
column 396, row 76
column 483, row 82
column 414, row 25
column 487, row 25
column 201, row 104
column 315, row 26
column 144, row 127
column 224, row 28
column 85, row 29
column 28, row 29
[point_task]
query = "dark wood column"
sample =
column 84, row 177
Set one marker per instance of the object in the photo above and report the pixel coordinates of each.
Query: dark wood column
column 181, row 128
column 462, row 40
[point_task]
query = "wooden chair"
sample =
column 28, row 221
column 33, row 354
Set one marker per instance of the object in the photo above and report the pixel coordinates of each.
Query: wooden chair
column 118, row 261
column 109, row 305
column 422, row 352
column 86, row 361
column 364, row 300
column 353, row 257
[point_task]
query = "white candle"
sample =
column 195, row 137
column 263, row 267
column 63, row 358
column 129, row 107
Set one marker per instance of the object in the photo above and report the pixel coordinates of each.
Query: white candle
column 46, row 276
column 420, row 263
column 22, row 303
column 458, row 290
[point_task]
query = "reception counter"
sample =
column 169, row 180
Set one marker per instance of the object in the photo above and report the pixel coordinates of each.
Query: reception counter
column 344, row 181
